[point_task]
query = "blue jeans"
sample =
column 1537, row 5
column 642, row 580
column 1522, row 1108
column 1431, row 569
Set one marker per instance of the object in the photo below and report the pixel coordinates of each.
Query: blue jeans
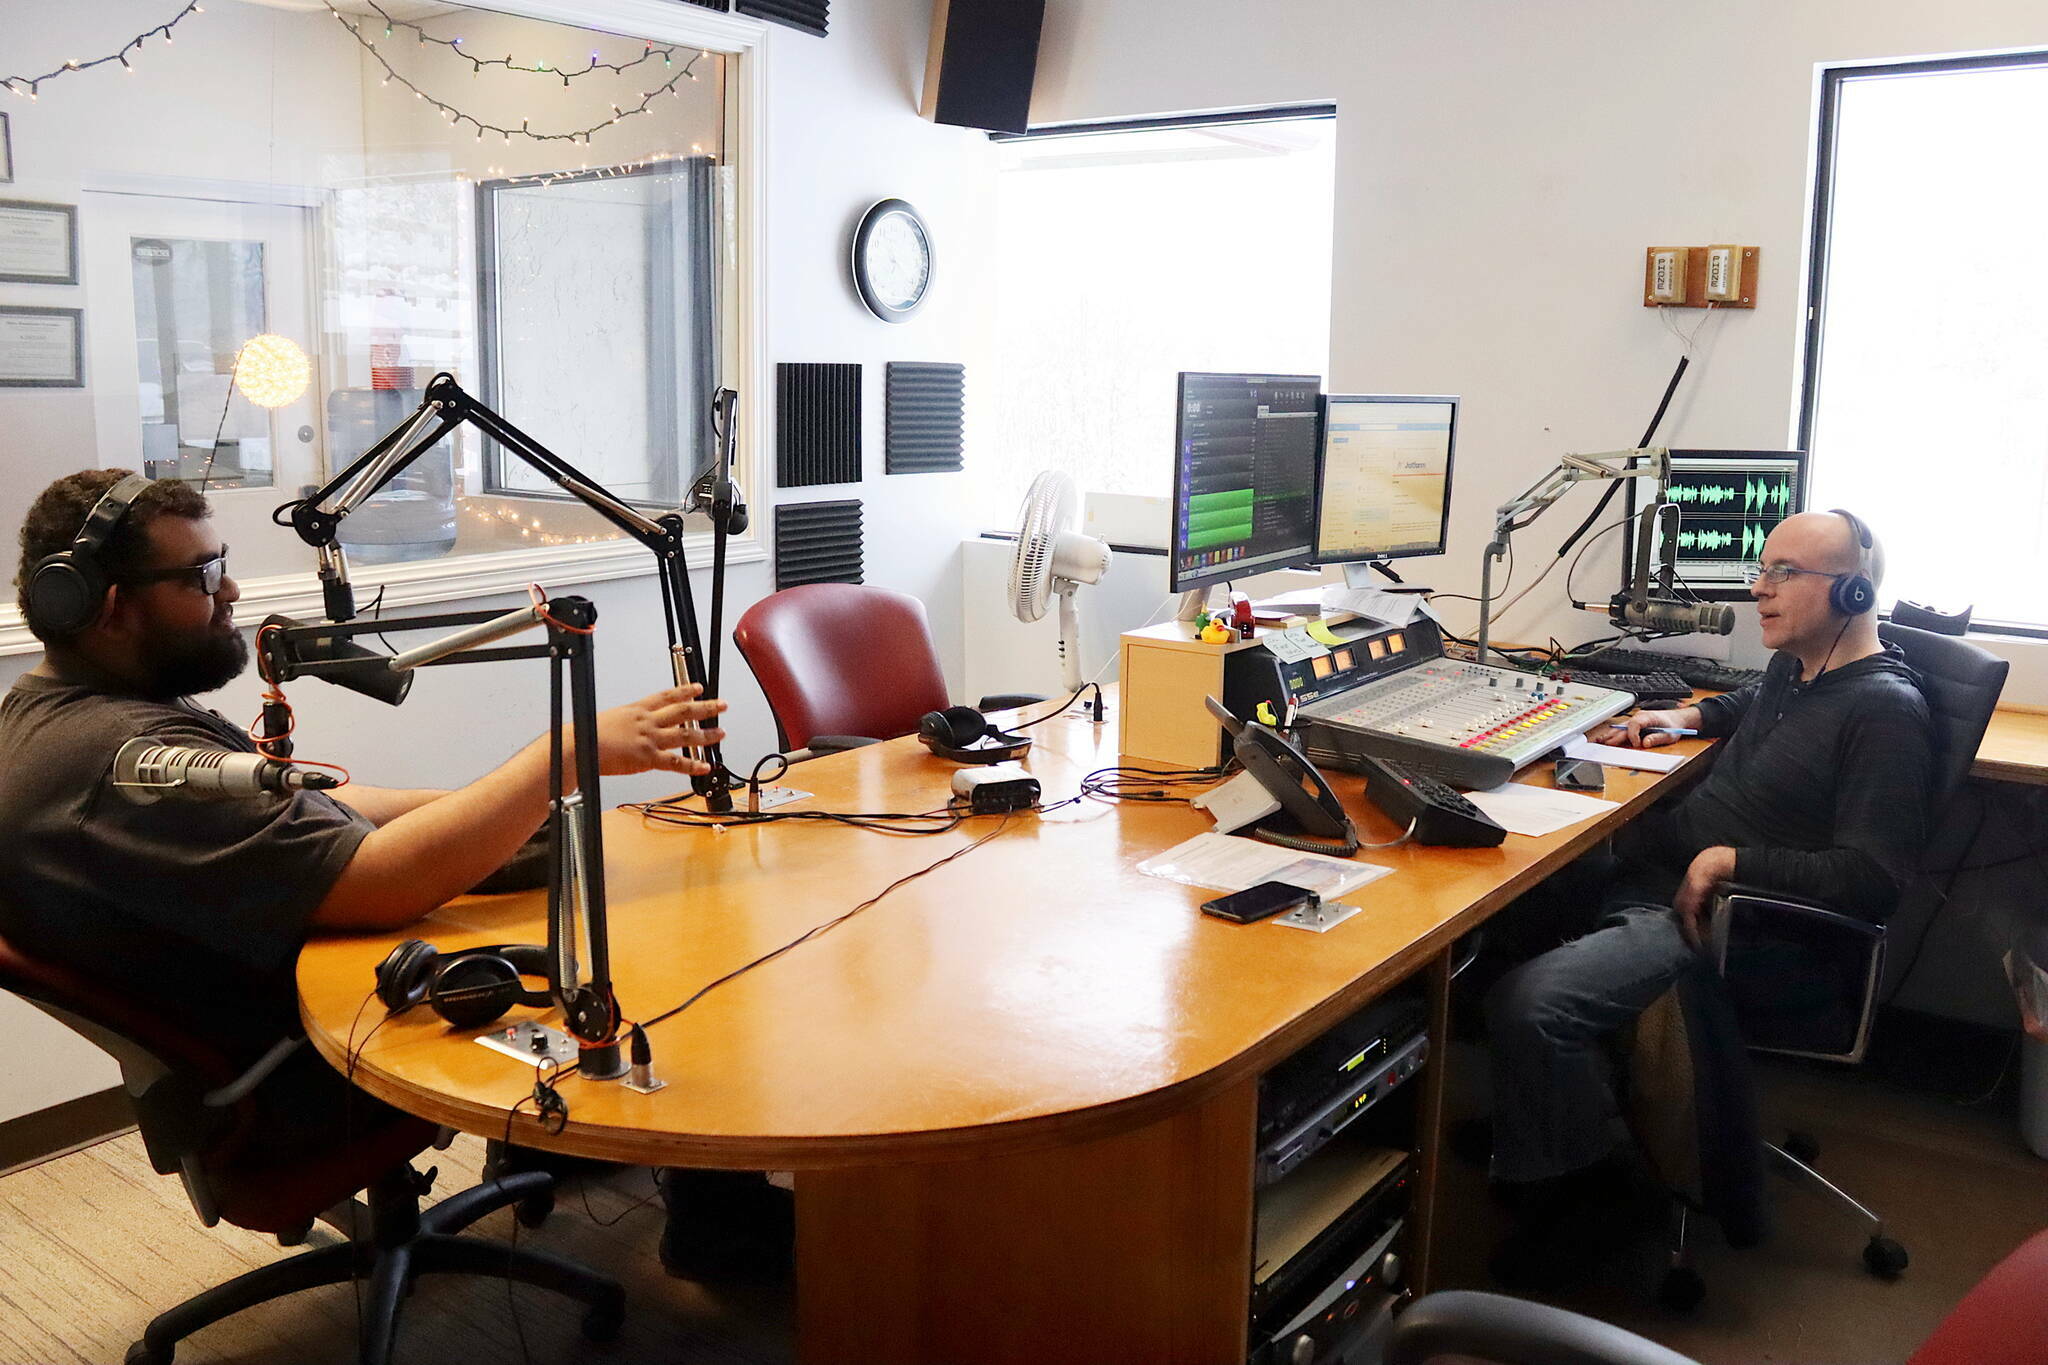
column 1548, row 1021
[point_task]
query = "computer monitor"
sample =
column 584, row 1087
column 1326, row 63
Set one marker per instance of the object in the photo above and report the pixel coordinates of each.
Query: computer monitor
column 1729, row 501
column 1244, row 475
column 1383, row 479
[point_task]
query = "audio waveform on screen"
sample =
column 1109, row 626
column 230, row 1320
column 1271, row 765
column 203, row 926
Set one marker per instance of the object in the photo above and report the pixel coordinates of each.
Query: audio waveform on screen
column 1763, row 494
column 1743, row 542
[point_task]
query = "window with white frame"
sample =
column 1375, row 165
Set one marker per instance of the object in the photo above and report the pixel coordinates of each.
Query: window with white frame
column 1131, row 254
column 390, row 191
column 1925, row 405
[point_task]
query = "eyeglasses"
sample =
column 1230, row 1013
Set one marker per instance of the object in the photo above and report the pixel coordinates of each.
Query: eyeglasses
column 1781, row 573
column 208, row 575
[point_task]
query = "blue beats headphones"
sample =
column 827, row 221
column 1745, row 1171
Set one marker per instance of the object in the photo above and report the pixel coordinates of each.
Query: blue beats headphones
column 65, row 589
column 1853, row 594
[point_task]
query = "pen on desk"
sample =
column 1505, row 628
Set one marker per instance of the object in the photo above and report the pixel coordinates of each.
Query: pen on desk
column 1679, row 730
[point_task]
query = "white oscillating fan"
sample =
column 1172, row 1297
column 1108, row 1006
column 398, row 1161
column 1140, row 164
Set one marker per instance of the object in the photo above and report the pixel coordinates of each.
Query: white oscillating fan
column 1051, row 558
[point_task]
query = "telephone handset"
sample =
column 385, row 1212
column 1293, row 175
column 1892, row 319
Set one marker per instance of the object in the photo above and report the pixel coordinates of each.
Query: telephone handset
column 1310, row 818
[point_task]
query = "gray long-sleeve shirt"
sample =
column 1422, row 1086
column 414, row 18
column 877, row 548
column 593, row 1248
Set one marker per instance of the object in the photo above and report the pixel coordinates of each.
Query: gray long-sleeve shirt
column 1821, row 787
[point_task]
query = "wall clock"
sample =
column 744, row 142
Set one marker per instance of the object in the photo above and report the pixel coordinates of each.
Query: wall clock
column 892, row 260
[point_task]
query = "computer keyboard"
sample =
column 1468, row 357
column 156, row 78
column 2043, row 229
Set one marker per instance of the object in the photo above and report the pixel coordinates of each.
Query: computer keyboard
column 1710, row 674
column 1440, row 815
column 1661, row 686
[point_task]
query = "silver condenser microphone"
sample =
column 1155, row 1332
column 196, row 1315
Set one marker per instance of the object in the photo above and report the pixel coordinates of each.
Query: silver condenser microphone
column 1678, row 618
column 146, row 771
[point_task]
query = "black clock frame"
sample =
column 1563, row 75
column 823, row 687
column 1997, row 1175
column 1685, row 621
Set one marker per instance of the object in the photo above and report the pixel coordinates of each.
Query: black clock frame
column 857, row 259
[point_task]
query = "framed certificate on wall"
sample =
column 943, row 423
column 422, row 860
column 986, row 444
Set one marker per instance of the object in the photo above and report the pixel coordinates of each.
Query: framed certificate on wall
column 42, row 348
column 38, row 242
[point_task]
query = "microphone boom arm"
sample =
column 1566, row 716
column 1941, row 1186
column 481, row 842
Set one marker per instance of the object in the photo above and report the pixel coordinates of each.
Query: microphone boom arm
column 1518, row 512
column 576, row 886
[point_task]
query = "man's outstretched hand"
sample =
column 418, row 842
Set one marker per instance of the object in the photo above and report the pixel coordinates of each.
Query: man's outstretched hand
column 647, row 734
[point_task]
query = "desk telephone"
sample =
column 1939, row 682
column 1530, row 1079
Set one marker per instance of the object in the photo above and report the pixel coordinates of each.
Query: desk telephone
column 1305, row 814
column 1309, row 816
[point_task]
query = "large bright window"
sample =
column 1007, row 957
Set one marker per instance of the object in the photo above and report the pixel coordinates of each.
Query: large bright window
column 1128, row 256
column 1926, row 402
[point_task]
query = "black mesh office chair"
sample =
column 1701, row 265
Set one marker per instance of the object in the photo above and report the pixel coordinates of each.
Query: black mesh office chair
column 1803, row 977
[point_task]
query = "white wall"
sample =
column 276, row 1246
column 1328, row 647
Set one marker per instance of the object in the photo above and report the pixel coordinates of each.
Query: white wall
column 1500, row 168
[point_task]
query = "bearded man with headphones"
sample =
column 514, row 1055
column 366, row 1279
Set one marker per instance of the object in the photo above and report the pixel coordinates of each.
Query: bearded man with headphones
column 1820, row 790
column 199, row 908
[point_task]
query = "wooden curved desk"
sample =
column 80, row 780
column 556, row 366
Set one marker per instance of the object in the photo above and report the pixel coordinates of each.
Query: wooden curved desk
column 1021, row 1088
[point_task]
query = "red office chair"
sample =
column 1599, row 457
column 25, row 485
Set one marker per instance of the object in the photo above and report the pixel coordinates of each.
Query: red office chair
column 198, row 1122
column 2003, row 1321
column 843, row 663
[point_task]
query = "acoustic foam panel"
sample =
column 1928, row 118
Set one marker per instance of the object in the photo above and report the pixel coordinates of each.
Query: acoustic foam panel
column 809, row 15
column 817, row 542
column 926, row 406
column 817, row 424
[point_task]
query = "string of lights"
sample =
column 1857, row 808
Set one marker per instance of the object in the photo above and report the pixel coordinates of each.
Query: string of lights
column 456, row 118
column 502, row 521
column 25, row 86
column 477, row 64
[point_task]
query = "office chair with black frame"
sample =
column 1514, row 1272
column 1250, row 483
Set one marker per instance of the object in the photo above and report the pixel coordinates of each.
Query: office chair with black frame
column 199, row 1122
column 2003, row 1320
column 1801, row 978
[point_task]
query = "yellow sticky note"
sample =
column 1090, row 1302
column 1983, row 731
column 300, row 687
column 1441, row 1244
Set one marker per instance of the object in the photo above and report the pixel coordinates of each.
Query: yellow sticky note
column 1324, row 634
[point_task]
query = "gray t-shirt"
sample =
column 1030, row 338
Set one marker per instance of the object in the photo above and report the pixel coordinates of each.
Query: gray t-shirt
column 195, row 907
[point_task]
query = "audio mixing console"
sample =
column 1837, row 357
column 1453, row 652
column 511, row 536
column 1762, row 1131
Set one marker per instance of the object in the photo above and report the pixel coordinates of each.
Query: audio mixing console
column 1389, row 693
column 1472, row 724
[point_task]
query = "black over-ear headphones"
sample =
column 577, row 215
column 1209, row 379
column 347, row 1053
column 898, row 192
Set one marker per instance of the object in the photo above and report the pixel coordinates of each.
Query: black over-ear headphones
column 1853, row 594
column 65, row 589
column 470, row 988
column 950, row 732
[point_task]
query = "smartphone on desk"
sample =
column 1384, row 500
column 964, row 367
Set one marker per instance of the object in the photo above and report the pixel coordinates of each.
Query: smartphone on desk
column 1259, row 902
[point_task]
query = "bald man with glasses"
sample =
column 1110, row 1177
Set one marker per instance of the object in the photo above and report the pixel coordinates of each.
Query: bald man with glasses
column 1820, row 790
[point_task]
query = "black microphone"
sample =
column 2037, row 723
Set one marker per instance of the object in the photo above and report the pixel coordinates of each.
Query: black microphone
column 146, row 771
column 728, row 505
column 331, row 658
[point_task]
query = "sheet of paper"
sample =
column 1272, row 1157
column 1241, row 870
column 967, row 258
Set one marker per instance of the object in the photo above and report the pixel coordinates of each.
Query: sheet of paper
column 1228, row 863
column 1534, row 811
column 1292, row 645
column 1283, row 645
column 1320, row 632
column 1393, row 608
column 1614, row 756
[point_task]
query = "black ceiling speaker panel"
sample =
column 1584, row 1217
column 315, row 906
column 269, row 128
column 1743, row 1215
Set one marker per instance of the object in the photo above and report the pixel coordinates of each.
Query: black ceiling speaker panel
column 809, row 15
column 720, row 5
column 817, row 542
column 927, row 405
column 983, row 56
column 817, row 424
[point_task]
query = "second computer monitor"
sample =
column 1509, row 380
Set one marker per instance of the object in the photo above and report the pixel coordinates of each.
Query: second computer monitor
column 1383, row 485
